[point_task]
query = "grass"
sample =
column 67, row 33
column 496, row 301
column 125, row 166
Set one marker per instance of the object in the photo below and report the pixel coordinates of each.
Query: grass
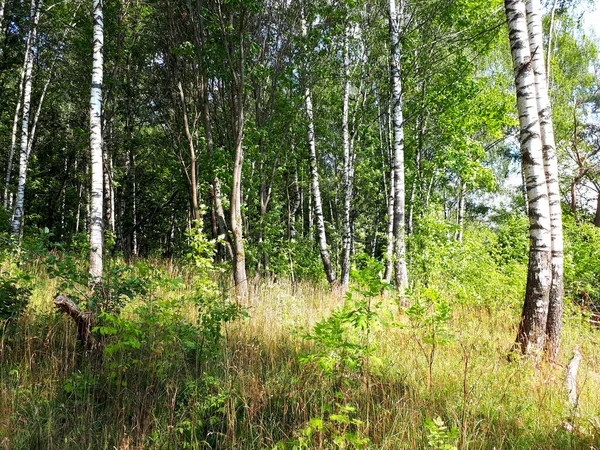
column 168, row 387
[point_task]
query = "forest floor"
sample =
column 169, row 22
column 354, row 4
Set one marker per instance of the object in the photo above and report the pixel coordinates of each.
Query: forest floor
column 295, row 370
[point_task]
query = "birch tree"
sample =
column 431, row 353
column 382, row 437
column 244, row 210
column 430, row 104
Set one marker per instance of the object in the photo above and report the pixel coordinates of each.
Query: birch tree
column 347, row 171
column 554, row 325
column 314, row 175
column 97, row 190
column 532, row 328
column 401, row 273
column 15, row 128
column 27, row 86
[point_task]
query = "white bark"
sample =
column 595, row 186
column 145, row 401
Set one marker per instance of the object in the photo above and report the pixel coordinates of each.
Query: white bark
column 2, row 3
column 23, row 157
column 460, row 210
column 401, row 273
column 389, row 252
column 13, row 141
column 532, row 329
column 571, row 378
column 96, row 210
column 347, row 172
column 314, row 174
column 554, row 325
column 36, row 117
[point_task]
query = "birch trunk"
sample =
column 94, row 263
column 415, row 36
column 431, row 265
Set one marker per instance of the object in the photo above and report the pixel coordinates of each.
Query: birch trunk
column 401, row 274
column 36, row 117
column 15, row 129
column 134, row 240
column 555, row 309
column 389, row 252
column 96, row 207
column 532, row 329
column 2, row 35
column 460, row 210
column 316, row 190
column 347, row 175
column 23, row 157
column 550, row 35
column 2, row 3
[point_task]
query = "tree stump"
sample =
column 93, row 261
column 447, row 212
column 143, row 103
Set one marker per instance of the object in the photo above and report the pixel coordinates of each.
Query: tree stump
column 85, row 321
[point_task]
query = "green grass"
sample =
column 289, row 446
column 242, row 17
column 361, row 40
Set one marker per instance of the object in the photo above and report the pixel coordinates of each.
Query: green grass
column 251, row 392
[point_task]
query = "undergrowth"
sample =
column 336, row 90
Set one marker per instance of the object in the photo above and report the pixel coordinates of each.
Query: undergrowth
column 297, row 367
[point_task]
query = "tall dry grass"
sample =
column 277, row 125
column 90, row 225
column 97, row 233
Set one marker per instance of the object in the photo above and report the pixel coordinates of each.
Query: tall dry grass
column 252, row 392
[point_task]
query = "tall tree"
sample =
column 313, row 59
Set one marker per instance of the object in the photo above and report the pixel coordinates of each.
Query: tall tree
column 532, row 328
column 97, row 188
column 401, row 273
column 555, row 308
column 314, row 175
column 348, row 162
column 36, row 8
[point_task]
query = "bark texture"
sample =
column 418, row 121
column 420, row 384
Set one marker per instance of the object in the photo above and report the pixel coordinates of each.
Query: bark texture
column 27, row 86
column 191, row 148
column 401, row 273
column 555, row 307
column 15, row 129
column 84, row 320
column 97, row 190
column 347, row 176
column 532, row 329
column 314, row 175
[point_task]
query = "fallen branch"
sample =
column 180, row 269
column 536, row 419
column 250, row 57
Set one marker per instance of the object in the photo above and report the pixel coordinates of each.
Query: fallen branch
column 83, row 319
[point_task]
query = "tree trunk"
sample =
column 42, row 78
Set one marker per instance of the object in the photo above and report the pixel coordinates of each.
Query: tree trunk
column 84, row 320
column 347, row 174
column 13, row 141
column 460, row 210
column 555, row 310
column 2, row 3
column 550, row 35
column 401, row 274
column 316, row 190
column 532, row 328
column 108, row 193
column 134, row 234
column 97, row 203
column 293, row 207
column 190, row 139
column 23, row 157
column 597, row 216
column 239, row 255
column 389, row 252
column 222, row 229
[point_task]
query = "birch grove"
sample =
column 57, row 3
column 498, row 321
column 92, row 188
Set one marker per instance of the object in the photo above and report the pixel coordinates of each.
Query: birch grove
column 308, row 140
